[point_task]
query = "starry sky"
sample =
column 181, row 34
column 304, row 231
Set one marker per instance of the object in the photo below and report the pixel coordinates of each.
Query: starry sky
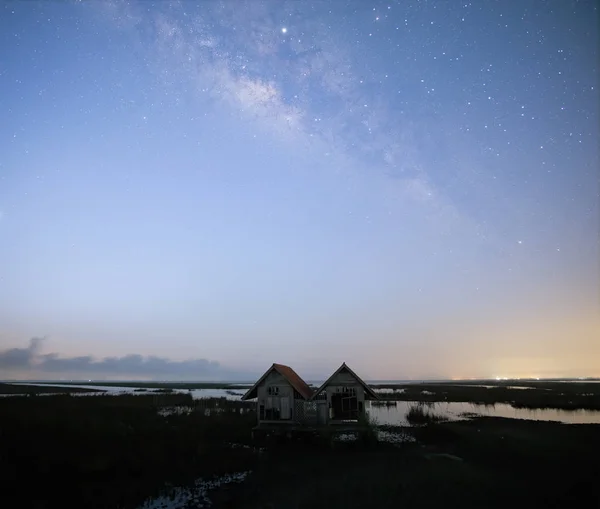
column 198, row 189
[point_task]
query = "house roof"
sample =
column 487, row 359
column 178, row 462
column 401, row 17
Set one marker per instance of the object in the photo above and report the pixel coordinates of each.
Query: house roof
column 369, row 393
column 290, row 375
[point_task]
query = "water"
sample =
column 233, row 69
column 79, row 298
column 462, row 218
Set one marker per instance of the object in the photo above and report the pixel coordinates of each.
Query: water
column 387, row 390
column 110, row 389
column 392, row 414
column 396, row 414
column 232, row 394
column 500, row 386
column 196, row 495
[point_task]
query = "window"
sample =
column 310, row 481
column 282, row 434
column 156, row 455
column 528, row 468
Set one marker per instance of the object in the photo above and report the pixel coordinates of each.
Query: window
column 344, row 403
column 273, row 409
column 273, row 391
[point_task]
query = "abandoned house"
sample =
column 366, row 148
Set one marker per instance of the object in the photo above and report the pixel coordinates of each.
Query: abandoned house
column 345, row 394
column 285, row 400
column 280, row 394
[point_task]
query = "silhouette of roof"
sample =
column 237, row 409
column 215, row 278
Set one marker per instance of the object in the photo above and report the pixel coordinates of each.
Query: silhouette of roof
column 290, row 375
column 369, row 393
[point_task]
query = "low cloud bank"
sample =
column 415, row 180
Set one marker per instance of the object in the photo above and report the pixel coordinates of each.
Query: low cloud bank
column 30, row 360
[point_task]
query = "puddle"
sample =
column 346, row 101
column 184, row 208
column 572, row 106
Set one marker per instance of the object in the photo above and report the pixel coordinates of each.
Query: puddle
column 175, row 410
column 195, row 496
column 207, row 412
column 234, row 445
column 231, row 394
column 394, row 437
column 387, row 390
column 345, row 437
column 395, row 415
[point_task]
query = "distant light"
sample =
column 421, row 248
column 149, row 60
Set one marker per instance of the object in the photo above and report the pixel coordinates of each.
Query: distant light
column 284, row 30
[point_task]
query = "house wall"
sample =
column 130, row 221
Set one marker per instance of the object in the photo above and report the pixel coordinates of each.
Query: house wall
column 360, row 396
column 285, row 391
column 344, row 379
column 360, row 392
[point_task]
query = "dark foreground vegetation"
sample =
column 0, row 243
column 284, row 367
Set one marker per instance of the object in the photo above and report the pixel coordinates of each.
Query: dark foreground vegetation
column 530, row 394
column 105, row 451
column 483, row 463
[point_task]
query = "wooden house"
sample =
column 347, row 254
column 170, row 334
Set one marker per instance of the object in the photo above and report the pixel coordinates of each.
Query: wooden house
column 285, row 401
column 280, row 395
column 344, row 393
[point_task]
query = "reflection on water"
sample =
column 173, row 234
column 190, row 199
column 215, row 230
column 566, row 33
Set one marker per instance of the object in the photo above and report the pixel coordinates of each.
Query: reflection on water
column 502, row 386
column 396, row 414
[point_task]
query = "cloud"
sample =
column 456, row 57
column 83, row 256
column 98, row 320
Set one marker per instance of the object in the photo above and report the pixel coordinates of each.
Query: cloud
column 19, row 358
column 30, row 359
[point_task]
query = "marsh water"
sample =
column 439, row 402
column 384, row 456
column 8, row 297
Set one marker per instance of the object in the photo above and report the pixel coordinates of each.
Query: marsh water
column 394, row 412
column 387, row 413
column 233, row 394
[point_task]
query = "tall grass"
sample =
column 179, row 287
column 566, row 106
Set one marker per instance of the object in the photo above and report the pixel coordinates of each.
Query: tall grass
column 420, row 415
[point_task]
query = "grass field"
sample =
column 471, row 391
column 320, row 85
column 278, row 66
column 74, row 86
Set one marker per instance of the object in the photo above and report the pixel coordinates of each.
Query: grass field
column 116, row 451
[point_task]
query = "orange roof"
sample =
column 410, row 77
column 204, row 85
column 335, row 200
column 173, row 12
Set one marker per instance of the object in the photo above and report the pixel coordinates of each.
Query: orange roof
column 294, row 379
column 290, row 375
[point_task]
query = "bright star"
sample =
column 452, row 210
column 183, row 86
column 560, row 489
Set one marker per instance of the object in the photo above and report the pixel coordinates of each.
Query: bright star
column 284, row 30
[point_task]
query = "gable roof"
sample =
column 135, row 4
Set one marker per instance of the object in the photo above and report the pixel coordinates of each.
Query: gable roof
column 369, row 393
column 290, row 375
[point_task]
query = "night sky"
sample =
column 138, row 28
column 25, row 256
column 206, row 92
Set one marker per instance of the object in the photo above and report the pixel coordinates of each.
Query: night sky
column 199, row 189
